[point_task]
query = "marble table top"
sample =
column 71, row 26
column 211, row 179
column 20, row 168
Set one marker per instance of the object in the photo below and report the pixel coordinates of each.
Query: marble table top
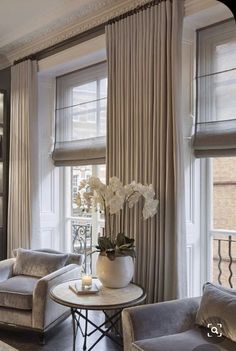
column 106, row 298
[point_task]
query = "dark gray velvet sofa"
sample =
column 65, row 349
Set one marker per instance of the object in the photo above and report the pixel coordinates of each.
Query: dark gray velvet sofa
column 24, row 298
column 168, row 326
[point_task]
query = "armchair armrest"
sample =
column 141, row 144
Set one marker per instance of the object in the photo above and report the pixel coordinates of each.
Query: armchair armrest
column 153, row 320
column 6, row 269
column 45, row 311
column 75, row 258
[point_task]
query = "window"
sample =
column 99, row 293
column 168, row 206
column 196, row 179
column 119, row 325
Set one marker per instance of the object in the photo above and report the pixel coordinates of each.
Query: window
column 82, row 227
column 80, row 146
column 215, row 133
column 81, row 117
column 223, row 233
column 215, row 140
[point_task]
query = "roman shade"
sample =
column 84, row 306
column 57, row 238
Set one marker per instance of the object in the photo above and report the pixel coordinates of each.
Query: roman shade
column 80, row 125
column 215, row 129
column 215, row 139
column 80, row 152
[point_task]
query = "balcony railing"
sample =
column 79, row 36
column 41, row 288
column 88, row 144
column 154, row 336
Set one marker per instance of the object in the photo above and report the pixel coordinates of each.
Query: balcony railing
column 84, row 239
column 224, row 261
column 82, row 243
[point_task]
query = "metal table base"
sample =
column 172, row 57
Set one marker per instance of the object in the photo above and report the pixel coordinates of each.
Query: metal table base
column 110, row 320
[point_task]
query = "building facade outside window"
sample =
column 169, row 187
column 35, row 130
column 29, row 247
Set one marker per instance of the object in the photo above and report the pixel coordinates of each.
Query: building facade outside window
column 223, row 231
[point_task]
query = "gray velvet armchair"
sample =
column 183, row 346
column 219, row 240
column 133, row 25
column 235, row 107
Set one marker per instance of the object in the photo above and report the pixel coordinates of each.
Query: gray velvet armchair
column 168, row 326
column 24, row 289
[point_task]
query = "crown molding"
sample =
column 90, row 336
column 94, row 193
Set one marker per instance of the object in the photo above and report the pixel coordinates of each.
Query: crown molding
column 194, row 6
column 89, row 16
column 55, row 9
column 85, row 20
column 202, row 13
column 4, row 62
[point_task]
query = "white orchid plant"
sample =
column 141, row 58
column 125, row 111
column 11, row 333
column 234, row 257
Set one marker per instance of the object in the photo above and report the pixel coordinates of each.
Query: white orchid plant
column 112, row 200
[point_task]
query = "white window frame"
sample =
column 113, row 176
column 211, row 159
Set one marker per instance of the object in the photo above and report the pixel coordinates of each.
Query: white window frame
column 51, row 233
column 66, row 209
column 198, row 264
column 207, row 230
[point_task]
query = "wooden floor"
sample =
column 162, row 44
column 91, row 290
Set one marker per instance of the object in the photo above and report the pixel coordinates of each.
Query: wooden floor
column 58, row 339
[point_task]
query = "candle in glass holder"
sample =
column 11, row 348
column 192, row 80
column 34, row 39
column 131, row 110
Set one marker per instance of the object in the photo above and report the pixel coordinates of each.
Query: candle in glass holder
column 86, row 281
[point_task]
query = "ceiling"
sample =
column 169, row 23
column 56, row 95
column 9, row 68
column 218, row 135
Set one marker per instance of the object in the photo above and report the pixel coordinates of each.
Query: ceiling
column 19, row 18
column 28, row 26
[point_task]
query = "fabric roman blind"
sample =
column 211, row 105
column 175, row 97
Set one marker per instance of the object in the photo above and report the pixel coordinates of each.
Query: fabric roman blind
column 215, row 129
column 80, row 128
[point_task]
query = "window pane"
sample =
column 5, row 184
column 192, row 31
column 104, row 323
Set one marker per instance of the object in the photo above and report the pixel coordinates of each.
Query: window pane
column 224, row 92
column 224, row 220
column 84, row 172
column 224, row 250
column 84, row 93
column 224, row 193
column 84, row 227
column 217, row 54
column 81, row 105
column 78, row 173
column 225, row 56
column 103, row 88
column 89, row 110
column 224, row 84
column 84, row 121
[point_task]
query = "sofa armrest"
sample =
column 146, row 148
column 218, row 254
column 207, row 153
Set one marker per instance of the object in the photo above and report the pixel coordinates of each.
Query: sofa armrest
column 45, row 311
column 6, row 269
column 153, row 320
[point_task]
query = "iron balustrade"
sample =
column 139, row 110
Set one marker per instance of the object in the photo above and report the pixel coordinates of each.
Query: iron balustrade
column 225, row 256
column 82, row 243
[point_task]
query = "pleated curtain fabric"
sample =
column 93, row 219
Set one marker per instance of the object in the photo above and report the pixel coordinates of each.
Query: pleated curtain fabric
column 144, row 140
column 22, row 158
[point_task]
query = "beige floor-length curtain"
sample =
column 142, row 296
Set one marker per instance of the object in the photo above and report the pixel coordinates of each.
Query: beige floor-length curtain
column 22, row 158
column 144, row 137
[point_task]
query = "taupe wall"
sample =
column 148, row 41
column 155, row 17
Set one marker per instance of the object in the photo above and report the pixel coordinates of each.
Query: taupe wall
column 5, row 79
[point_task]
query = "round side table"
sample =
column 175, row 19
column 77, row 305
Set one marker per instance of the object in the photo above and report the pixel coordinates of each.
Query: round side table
column 113, row 300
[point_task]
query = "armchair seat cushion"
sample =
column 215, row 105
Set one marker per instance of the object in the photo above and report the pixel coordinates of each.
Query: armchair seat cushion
column 185, row 341
column 17, row 292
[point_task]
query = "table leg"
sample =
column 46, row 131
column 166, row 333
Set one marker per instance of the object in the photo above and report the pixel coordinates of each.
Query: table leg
column 109, row 319
column 74, row 322
column 85, row 330
column 113, row 319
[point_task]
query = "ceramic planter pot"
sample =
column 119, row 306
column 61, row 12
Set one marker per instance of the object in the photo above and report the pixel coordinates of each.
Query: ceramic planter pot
column 115, row 274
